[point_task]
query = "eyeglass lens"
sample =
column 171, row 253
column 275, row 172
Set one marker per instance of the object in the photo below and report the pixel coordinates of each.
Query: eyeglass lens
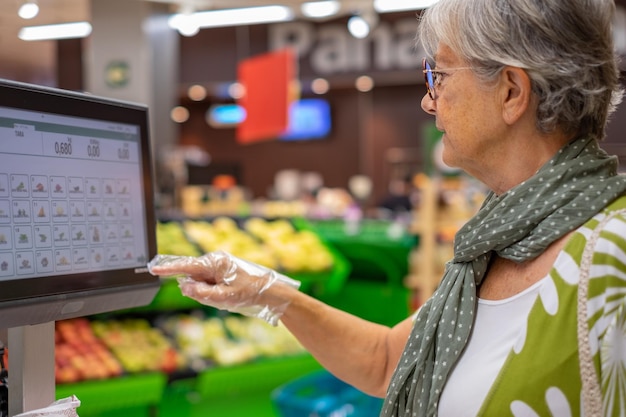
column 428, row 77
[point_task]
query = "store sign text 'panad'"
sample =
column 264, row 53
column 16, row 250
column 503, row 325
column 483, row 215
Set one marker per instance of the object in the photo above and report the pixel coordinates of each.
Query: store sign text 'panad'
column 330, row 49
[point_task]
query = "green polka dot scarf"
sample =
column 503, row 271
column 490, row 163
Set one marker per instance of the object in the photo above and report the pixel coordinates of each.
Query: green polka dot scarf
column 518, row 225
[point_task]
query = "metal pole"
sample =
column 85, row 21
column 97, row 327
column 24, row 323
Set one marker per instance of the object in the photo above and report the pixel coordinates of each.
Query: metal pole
column 31, row 367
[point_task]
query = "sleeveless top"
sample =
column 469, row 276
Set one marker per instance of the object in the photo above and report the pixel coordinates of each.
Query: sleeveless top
column 497, row 327
column 540, row 374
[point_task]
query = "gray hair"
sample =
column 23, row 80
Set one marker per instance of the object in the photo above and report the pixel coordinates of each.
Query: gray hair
column 566, row 48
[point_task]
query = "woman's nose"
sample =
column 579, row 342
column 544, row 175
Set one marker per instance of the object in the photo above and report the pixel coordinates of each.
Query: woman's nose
column 428, row 104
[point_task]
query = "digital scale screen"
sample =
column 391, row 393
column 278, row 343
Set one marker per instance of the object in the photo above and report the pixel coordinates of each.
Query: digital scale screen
column 76, row 207
column 71, row 197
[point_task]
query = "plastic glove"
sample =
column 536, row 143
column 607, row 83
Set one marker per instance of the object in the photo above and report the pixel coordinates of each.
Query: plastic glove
column 221, row 280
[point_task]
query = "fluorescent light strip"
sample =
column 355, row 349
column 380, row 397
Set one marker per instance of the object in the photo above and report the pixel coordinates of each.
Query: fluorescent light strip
column 233, row 17
column 386, row 6
column 60, row 31
column 320, row 8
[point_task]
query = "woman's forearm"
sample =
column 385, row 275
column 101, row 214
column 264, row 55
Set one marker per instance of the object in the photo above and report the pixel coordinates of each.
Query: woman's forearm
column 362, row 353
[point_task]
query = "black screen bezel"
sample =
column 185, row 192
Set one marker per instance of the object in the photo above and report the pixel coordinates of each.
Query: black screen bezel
column 68, row 103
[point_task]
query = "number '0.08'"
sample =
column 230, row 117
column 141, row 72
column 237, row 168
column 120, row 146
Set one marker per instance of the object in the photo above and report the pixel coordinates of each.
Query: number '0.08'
column 93, row 151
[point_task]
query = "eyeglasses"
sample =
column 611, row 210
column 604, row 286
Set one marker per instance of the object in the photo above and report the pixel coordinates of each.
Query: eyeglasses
column 434, row 77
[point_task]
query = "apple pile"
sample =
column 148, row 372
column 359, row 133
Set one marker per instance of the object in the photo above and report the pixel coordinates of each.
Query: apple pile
column 138, row 346
column 296, row 250
column 80, row 355
column 223, row 233
column 275, row 244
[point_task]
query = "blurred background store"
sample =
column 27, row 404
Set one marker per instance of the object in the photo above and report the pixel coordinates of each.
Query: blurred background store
column 345, row 192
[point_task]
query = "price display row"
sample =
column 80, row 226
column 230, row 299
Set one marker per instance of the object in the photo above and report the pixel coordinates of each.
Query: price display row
column 25, row 139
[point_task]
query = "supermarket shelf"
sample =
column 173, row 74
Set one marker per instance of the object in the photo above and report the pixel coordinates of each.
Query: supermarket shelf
column 217, row 391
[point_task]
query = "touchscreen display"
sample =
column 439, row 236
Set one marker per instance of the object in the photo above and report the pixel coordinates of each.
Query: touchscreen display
column 71, row 195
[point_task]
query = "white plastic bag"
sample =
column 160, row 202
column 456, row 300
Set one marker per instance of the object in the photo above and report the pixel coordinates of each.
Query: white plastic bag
column 65, row 407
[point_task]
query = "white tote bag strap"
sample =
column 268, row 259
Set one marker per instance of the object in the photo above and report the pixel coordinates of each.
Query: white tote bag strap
column 592, row 394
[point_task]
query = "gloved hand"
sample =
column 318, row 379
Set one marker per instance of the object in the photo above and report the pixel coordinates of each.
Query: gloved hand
column 221, row 280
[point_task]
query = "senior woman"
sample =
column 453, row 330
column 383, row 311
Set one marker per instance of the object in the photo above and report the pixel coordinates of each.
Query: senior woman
column 521, row 91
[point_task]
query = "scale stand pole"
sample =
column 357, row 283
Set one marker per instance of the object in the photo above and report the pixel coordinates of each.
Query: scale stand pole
column 31, row 367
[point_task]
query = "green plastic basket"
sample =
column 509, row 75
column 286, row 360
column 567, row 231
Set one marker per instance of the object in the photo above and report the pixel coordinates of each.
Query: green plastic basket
column 327, row 282
column 133, row 391
column 254, row 377
column 371, row 251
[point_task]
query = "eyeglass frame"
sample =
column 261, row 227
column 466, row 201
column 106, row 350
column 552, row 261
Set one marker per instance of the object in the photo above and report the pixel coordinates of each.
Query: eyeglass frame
column 430, row 80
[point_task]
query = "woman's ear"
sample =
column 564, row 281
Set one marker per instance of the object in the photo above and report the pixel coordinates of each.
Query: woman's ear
column 515, row 91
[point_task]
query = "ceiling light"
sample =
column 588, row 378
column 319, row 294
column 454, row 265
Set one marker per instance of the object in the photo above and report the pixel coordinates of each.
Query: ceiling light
column 196, row 92
column 234, row 17
column 318, row 9
column 236, row 90
column 187, row 25
column 361, row 24
column 385, row 6
column 179, row 114
column 60, row 31
column 358, row 27
column 320, row 86
column 364, row 83
column 28, row 10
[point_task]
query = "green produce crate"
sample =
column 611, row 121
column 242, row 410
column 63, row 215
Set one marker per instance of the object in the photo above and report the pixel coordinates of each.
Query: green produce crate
column 381, row 303
column 169, row 298
column 374, row 253
column 138, row 392
column 261, row 376
column 327, row 282
column 181, row 400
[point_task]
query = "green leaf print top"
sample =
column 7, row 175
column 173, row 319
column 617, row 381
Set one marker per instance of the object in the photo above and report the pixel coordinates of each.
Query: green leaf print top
column 541, row 376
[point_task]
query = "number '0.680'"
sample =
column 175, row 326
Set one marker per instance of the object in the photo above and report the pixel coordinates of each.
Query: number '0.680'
column 63, row 148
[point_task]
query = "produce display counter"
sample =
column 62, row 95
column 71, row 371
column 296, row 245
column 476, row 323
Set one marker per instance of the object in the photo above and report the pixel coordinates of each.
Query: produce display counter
column 276, row 244
column 213, row 385
column 243, row 388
